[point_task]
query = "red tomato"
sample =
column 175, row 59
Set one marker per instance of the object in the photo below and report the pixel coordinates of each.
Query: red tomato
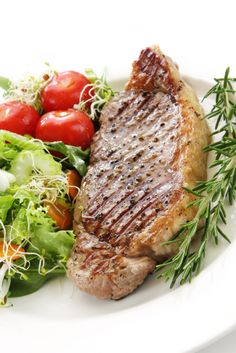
column 71, row 126
column 64, row 90
column 18, row 117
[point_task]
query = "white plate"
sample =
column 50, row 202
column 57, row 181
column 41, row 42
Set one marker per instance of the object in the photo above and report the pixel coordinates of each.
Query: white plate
column 59, row 318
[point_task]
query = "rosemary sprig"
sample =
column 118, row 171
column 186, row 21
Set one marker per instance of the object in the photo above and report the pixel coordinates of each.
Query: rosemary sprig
column 211, row 194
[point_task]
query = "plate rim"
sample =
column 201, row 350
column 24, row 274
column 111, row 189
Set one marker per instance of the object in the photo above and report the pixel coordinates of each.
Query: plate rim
column 205, row 340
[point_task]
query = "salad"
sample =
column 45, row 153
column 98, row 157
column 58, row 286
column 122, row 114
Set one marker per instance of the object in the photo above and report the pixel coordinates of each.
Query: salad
column 46, row 126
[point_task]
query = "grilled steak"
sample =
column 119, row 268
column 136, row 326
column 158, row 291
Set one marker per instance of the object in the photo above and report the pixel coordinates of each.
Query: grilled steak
column 132, row 199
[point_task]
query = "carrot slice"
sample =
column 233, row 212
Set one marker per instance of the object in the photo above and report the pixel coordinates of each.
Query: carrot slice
column 74, row 182
column 14, row 252
column 61, row 214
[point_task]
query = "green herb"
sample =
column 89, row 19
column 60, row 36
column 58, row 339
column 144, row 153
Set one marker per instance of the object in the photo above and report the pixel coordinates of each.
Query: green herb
column 100, row 94
column 211, row 194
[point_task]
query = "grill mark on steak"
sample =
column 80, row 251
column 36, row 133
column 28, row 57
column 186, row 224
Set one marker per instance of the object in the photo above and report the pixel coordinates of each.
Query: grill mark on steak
column 151, row 71
column 125, row 155
column 134, row 105
column 129, row 118
column 136, row 175
column 131, row 207
column 120, row 200
column 100, row 198
column 143, row 132
column 132, row 196
column 121, row 208
column 134, row 112
column 117, row 149
column 125, row 223
column 140, row 183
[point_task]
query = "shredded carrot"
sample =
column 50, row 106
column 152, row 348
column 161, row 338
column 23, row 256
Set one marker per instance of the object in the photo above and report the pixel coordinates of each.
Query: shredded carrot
column 14, row 252
column 61, row 214
column 74, row 181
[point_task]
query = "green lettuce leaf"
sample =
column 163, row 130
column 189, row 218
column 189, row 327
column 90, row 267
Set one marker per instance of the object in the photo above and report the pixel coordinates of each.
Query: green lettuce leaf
column 5, row 83
column 52, row 244
column 33, row 279
column 76, row 157
column 24, row 214
column 19, row 229
column 7, row 153
column 22, row 166
column 6, row 202
column 20, row 142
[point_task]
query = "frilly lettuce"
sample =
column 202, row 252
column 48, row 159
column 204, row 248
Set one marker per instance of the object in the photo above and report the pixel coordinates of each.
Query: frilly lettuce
column 23, row 212
column 74, row 157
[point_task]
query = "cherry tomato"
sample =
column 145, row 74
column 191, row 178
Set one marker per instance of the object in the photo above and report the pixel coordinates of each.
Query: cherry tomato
column 64, row 90
column 18, row 117
column 71, row 126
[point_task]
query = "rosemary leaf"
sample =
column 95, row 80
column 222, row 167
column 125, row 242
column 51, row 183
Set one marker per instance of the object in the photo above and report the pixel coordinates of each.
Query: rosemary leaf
column 211, row 194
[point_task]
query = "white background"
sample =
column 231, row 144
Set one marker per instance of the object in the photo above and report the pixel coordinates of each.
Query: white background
column 199, row 35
